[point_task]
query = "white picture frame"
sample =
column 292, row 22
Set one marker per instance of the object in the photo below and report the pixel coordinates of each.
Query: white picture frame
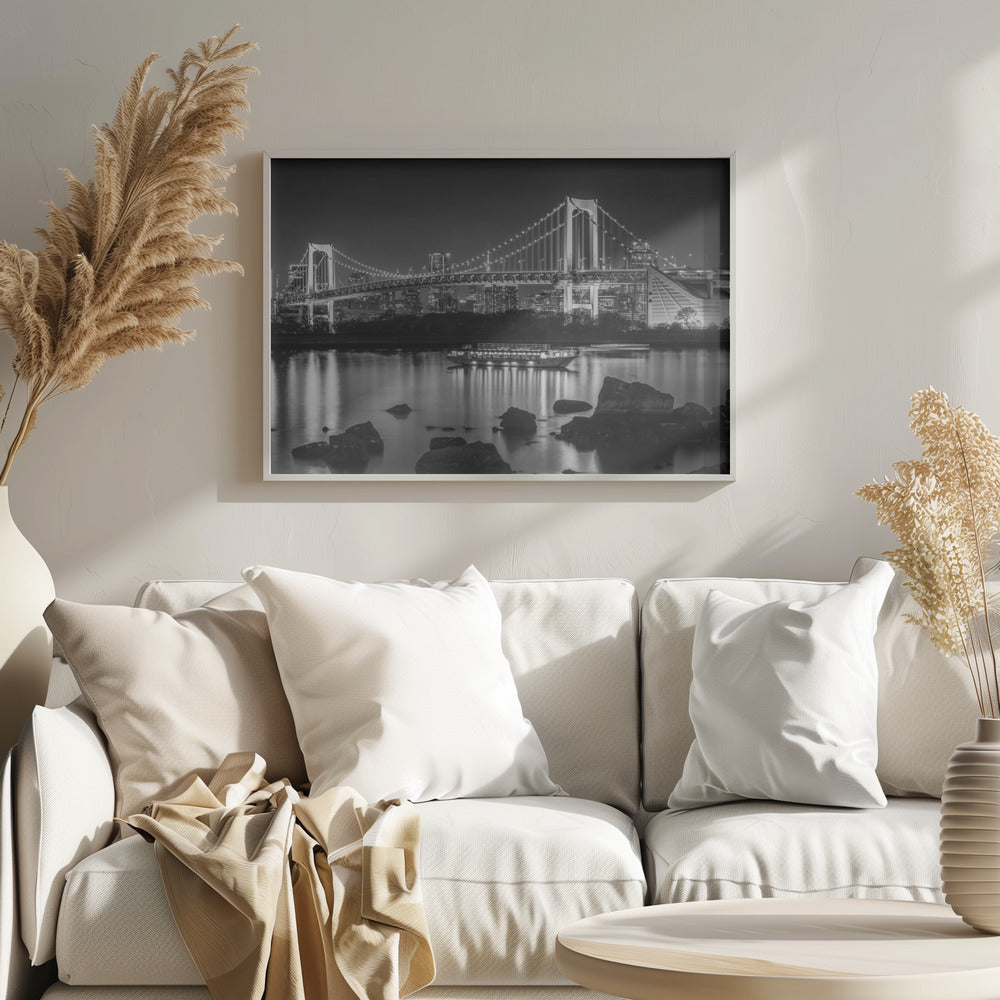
column 345, row 324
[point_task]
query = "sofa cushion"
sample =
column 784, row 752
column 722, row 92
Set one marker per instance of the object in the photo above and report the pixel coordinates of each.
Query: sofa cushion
column 568, row 641
column 926, row 703
column 783, row 700
column 669, row 616
column 64, row 808
column 401, row 690
column 178, row 693
column 760, row 849
column 500, row 878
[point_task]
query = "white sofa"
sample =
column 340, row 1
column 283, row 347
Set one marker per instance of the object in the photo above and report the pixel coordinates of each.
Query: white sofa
column 606, row 688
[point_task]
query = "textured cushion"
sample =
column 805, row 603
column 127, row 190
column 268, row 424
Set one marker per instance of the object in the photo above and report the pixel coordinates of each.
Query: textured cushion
column 65, row 804
column 399, row 690
column 560, row 636
column 761, row 849
column 176, row 694
column 500, row 877
column 174, row 596
column 926, row 703
column 783, row 700
column 572, row 645
column 669, row 615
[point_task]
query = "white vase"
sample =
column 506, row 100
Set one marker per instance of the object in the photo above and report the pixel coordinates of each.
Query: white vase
column 26, row 590
column 970, row 829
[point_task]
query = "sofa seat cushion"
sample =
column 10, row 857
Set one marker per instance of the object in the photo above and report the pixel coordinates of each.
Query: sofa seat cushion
column 500, row 878
column 759, row 849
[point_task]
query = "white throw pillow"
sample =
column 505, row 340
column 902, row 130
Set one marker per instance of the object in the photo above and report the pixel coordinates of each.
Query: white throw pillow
column 401, row 690
column 783, row 700
column 65, row 800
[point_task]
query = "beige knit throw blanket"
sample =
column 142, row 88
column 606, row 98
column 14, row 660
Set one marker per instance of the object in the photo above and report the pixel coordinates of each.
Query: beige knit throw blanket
column 281, row 897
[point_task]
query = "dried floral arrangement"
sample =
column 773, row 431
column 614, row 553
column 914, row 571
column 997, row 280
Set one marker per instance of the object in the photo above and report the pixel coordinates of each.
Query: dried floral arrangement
column 117, row 265
column 945, row 510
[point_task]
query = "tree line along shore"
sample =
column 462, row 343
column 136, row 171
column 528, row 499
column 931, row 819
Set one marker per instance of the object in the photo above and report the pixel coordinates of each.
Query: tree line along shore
column 444, row 330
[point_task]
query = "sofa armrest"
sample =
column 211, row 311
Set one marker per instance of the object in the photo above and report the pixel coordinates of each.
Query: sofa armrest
column 18, row 980
column 64, row 796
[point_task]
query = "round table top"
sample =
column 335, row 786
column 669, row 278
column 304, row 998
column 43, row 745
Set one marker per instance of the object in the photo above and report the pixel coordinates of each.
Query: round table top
column 780, row 948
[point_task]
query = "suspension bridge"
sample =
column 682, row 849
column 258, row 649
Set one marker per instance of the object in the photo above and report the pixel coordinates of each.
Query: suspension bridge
column 585, row 259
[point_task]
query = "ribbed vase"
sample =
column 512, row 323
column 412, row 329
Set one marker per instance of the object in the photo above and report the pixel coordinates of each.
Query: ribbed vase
column 970, row 829
column 25, row 643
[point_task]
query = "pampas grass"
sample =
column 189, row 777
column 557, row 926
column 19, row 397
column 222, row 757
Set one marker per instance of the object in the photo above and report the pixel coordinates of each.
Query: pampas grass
column 117, row 265
column 945, row 510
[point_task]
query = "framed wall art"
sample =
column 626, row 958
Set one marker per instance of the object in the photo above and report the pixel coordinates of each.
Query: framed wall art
column 509, row 317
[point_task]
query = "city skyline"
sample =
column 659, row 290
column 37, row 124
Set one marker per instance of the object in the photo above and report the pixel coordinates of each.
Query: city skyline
column 396, row 214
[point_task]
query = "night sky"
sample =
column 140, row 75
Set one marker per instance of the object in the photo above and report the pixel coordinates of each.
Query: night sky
column 391, row 213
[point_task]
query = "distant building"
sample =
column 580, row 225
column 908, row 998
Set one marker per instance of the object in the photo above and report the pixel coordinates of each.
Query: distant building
column 296, row 282
column 548, row 301
column 499, row 298
column 410, row 301
column 668, row 301
column 438, row 262
column 441, row 300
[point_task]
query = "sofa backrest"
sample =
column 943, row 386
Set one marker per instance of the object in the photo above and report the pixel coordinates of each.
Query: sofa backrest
column 669, row 615
column 572, row 646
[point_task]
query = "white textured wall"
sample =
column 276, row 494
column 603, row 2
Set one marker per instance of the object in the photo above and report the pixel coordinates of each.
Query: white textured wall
column 865, row 259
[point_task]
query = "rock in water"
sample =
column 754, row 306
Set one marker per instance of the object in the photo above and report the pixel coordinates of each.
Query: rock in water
column 400, row 410
column 477, row 458
column 447, row 442
column 628, row 396
column 346, row 452
column 312, row 452
column 516, row 421
column 634, row 427
column 366, row 434
column 570, row 406
column 695, row 410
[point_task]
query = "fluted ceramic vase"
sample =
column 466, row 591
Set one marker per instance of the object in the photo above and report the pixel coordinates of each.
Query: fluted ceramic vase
column 970, row 829
column 25, row 643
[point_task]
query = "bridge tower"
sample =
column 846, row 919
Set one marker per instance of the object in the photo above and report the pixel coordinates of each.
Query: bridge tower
column 582, row 254
column 321, row 276
column 587, row 255
column 324, row 251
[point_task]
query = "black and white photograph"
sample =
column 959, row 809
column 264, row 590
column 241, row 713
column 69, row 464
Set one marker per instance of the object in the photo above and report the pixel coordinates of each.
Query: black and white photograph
column 530, row 318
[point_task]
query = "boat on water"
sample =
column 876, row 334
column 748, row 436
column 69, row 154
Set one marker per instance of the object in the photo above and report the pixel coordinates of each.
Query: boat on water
column 513, row 356
column 617, row 349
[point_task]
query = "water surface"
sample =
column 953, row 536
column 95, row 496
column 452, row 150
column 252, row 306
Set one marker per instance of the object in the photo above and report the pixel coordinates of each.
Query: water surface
column 316, row 389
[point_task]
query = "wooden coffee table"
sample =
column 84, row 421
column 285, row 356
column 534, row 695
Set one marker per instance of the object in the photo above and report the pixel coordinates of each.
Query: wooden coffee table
column 779, row 949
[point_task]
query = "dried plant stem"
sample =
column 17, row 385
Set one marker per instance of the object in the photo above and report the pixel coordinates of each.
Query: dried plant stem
column 973, row 672
column 35, row 398
column 979, row 558
column 10, row 399
column 979, row 654
column 974, row 661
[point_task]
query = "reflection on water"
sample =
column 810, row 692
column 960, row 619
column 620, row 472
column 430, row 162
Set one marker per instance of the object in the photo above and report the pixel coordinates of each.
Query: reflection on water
column 317, row 393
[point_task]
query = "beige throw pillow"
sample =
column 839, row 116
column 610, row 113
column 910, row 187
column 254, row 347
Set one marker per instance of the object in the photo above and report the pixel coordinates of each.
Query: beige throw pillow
column 175, row 694
column 926, row 703
column 401, row 690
